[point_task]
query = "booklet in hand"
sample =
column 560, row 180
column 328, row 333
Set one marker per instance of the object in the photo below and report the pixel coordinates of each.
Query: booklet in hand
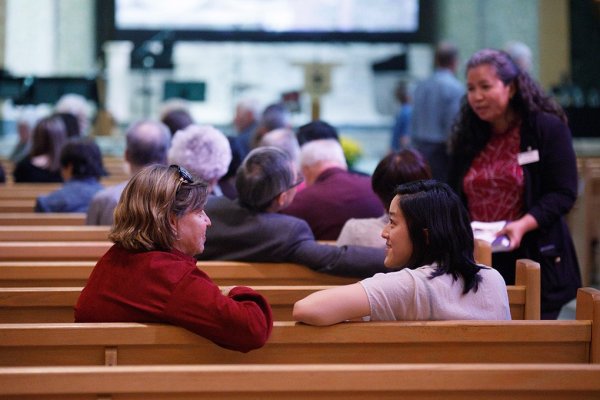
column 487, row 231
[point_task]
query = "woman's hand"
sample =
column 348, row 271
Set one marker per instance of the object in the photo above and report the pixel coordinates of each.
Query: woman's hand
column 225, row 290
column 516, row 229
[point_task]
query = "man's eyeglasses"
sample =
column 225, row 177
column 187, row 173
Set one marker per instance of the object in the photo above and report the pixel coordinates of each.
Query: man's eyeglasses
column 184, row 175
column 293, row 185
column 299, row 181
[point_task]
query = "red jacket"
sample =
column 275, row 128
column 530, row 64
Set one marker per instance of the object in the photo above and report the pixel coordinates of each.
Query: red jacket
column 167, row 287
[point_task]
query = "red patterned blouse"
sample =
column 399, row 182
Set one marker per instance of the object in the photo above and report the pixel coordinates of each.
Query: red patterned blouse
column 494, row 184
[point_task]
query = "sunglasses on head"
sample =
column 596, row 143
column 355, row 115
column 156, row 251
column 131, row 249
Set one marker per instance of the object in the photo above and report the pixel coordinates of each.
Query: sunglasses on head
column 184, row 175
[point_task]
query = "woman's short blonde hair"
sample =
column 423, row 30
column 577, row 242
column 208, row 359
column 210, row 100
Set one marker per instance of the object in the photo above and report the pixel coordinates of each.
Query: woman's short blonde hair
column 152, row 196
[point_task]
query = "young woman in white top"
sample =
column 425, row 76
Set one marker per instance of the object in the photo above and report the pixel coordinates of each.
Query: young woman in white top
column 429, row 244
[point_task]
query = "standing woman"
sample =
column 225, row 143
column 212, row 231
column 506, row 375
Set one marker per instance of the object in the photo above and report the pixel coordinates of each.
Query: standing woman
column 150, row 273
column 513, row 159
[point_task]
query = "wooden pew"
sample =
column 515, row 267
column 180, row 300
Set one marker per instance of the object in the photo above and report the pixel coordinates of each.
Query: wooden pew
column 566, row 341
column 583, row 218
column 524, row 296
column 17, row 205
column 50, row 250
column 17, row 191
column 46, row 233
column 57, row 251
column 483, row 252
column 226, row 273
column 67, row 233
column 31, row 218
column 43, row 305
column 320, row 382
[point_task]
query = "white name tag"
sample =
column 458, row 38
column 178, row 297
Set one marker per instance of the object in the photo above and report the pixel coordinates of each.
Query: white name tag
column 528, row 157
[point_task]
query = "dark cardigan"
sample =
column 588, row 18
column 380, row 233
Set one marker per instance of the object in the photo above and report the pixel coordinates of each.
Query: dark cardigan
column 550, row 192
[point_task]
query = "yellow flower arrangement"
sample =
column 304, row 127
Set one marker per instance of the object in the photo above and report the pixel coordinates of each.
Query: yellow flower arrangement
column 352, row 150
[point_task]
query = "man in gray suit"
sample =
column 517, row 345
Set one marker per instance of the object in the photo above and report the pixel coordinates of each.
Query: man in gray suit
column 148, row 142
column 251, row 229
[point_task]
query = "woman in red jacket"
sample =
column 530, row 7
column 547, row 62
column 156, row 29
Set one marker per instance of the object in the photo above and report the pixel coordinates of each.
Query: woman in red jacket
column 150, row 274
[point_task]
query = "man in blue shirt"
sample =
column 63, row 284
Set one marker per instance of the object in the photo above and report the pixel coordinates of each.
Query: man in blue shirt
column 435, row 106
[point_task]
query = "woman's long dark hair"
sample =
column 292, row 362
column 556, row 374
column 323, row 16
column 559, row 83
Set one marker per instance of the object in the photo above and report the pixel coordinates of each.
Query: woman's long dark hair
column 440, row 231
column 470, row 134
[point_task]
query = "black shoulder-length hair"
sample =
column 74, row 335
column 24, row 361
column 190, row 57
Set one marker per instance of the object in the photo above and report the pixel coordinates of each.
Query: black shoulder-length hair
column 440, row 230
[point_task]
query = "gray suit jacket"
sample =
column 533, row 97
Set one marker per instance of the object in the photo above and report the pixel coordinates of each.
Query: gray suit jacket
column 239, row 234
column 102, row 206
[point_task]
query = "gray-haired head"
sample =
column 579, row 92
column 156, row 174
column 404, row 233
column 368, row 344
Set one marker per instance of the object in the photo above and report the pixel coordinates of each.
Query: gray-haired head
column 203, row 150
column 275, row 116
column 148, row 142
column 284, row 139
column 265, row 173
column 520, row 53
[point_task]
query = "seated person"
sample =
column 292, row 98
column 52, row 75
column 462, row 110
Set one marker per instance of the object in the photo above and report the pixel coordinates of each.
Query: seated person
column 332, row 194
column 146, row 142
column 42, row 164
column 71, row 124
column 177, row 119
column 251, row 229
column 204, row 151
column 429, row 236
column 2, row 175
column 394, row 169
column 150, row 273
column 81, row 169
column 316, row 130
column 245, row 122
column 274, row 116
column 227, row 182
column 76, row 105
column 284, row 139
column 319, row 129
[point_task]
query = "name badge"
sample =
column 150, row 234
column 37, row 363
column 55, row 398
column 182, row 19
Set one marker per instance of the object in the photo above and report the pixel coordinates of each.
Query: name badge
column 528, row 157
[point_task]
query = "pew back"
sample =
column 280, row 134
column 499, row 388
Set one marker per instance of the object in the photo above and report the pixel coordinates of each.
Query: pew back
column 49, row 251
column 17, row 205
column 226, row 273
column 290, row 343
column 46, row 233
column 567, row 341
column 524, row 296
column 377, row 381
column 42, row 305
column 55, row 304
column 31, row 218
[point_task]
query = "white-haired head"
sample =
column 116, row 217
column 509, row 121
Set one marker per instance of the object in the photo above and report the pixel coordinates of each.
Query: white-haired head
column 76, row 105
column 319, row 155
column 322, row 150
column 202, row 150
